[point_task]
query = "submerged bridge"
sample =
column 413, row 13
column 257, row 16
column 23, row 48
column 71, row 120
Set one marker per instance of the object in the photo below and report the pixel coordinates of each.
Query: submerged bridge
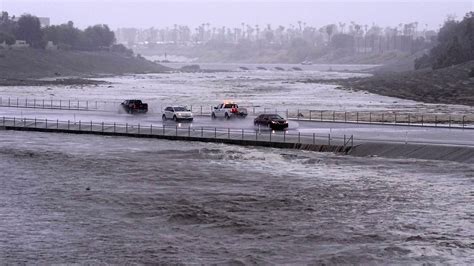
column 245, row 137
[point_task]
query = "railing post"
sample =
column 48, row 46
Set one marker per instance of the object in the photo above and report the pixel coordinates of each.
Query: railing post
column 202, row 132
column 96, row 105
column 189, row 130
column 383, row 119
column 395, row 117
column 299, row 137
column 79, row 125
column 114, row 127
column 46, row 121
column 57, row 123
column 286, row 113
column 463, row 121
column 334, row 116
column 138, row 128
column 321, row 115
column 91, row 126
column 344, row 140
column 421, row 120
column 270, row 136
column 9, row 102
column 298, row 114
column 51, row 104
column 284, row 136
column 408, row 119
column 256, row 135
column 314, row 138
column 68, row 125
column 87, row 105
column 370, row 117
column 14, row 122
column 16, row 102
column 4, row 121
column 126, row 127
column 60, row 104
column 163, row 130
column 436, row 120
column 69, row 105
column 345, row 116
column 449, row 121
column 215, row 133
column 102, row 127
column 310, row 114
column 357, row 117
column 329, row 139
column 201, row 109
column 242, row 134
column 26, row 102
column 151, row 129
column 176, row 130
column 34, row 103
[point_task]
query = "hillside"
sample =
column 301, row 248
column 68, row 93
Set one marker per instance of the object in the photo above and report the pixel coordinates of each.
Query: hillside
column 451, row 85
column 37, row 63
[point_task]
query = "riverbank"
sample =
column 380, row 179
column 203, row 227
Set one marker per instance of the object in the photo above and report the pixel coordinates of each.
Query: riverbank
column 451, row 85
column 31, row 66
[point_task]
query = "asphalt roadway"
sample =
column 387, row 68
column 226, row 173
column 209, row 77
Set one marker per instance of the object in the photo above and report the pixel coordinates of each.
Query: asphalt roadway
column 386, row 133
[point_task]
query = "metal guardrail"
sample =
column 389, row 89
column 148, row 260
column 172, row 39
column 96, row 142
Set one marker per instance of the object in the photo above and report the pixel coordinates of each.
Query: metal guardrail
column 381, row 117
column 215, row 133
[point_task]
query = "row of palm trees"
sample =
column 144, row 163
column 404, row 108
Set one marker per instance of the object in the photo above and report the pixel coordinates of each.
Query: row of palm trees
column 364, row 36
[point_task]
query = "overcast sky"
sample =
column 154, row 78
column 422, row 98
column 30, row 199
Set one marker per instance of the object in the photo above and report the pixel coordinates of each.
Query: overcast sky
column 156, row 13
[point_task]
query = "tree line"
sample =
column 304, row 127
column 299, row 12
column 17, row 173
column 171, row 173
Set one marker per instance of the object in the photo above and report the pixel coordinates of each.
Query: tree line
column 455, row 45
column 28, row 28
column 350, row 37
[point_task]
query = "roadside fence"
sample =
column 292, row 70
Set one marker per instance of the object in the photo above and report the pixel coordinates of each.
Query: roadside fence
column 238, row 136
column 381, row 117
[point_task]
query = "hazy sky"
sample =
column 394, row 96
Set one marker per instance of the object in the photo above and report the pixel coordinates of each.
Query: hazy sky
column 148, row 13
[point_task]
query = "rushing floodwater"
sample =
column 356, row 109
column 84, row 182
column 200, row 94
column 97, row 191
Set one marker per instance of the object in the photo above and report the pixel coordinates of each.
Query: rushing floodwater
column 262, row 88
column 89, row 199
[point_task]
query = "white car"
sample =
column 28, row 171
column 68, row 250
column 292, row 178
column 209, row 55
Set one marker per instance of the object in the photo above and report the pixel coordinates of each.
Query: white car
column 227, row 110
column 177, row 113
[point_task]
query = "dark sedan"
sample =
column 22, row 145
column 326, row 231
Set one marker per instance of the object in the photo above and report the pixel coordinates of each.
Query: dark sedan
column 272, row 121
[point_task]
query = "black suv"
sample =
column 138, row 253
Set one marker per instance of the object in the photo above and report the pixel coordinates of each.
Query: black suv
column 134, row 106
column 273, row 121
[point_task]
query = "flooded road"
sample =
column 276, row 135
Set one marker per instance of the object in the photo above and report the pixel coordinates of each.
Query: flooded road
column 89, row 199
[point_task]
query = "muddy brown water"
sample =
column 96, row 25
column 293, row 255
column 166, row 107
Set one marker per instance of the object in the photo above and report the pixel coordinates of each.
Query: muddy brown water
column 90, row 199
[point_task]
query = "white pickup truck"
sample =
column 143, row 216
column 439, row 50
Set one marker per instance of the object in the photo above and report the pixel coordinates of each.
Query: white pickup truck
column 227, row 110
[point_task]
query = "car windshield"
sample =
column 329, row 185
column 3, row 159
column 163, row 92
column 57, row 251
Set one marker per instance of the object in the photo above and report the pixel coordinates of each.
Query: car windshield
column 180, row 109
column 275, row 117
column 230, row 105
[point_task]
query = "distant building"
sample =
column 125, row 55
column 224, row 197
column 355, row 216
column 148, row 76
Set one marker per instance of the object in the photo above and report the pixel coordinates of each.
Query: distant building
column 45, row 21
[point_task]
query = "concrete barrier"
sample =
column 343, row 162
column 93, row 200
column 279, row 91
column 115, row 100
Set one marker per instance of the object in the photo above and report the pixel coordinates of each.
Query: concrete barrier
column 461, row 154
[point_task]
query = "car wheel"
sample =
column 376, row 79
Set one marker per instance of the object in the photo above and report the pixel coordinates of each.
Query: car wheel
column 227, row 117
column 163, row 117
column 213, row 116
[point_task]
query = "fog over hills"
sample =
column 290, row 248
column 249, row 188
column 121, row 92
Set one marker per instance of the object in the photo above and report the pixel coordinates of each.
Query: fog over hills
column 149, row 13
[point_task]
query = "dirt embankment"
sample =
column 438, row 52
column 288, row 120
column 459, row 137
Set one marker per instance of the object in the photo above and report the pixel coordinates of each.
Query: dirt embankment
column 451, row 85
column 22, row 66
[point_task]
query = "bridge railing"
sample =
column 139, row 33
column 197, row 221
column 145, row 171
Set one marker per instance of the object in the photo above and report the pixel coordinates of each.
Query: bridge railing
column 458, row 120
column 180, row 130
